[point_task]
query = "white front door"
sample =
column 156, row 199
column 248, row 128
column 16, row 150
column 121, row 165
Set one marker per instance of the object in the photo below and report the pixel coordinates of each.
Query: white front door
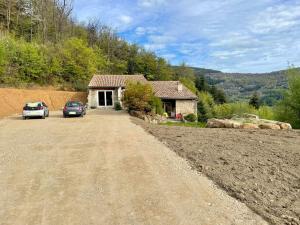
column 105, row 98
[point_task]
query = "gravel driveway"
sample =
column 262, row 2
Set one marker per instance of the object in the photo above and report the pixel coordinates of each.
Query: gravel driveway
column 102, row 169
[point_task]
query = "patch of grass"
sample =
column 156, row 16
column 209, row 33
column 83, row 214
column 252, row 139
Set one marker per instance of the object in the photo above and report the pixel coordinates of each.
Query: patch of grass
column 187, row 124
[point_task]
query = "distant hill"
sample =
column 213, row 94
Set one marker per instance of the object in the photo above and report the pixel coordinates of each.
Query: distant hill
column 241, row 86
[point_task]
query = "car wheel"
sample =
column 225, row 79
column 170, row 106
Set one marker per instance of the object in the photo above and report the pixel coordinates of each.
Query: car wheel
column 24, row 117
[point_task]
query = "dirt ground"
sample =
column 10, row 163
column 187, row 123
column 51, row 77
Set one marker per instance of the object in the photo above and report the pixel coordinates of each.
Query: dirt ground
column 13, row 100
column 259, row 167
column 103, row 169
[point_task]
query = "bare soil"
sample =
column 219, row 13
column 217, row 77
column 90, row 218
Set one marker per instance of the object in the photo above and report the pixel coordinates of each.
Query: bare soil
column 12, row 100
column 103, row 170
column 258, row 167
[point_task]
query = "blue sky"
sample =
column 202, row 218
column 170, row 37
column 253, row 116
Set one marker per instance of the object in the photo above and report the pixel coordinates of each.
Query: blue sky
column 228, row 35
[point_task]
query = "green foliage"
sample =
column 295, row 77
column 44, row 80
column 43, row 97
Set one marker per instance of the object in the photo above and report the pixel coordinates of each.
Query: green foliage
column 218, row 95
column 230, row 109
column 255, row 101
column 157, row 106
column 79, row 62
column 191, row 117
column 138, row 97
column 23, row 62
column 266, row 112
column 201, row 110
column 183, row 71
column 201, row 83
column 288, row 109
column 205, row 106
column 190, row 84
column 118, row 106
column 240, row 86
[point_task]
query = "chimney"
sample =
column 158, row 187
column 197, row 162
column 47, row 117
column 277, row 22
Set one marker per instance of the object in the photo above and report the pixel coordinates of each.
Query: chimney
column 179, row 86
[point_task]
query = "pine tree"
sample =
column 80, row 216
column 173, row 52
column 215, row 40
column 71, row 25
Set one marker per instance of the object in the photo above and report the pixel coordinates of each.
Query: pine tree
column 201, row 83
column 254, row 101
column 202, row 113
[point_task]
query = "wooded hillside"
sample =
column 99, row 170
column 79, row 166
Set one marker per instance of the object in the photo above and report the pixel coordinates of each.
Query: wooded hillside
column 41, row 43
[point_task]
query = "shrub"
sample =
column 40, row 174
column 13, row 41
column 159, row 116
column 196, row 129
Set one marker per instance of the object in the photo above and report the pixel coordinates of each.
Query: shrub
column 230, row 109
column 157, row 106
column 190, row 117
column 118, row 106
column 288, row 110
column 138, row 97
column 205, row 106
column 239, row 108
column 266, row 112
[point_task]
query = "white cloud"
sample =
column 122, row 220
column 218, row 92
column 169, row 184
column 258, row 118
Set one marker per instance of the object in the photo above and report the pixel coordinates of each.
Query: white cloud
column 140, row 31
column 234, row 35
column 125, row 19
column 277, row 19
column 150, row 3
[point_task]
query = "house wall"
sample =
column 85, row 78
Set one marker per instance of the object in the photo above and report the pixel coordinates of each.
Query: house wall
column 93, row 96
column 186, row 107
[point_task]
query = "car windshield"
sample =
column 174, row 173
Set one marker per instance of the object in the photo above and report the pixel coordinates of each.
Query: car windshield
column 73, row 104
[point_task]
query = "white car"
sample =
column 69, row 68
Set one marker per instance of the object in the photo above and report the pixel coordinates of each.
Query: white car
column 35, row 109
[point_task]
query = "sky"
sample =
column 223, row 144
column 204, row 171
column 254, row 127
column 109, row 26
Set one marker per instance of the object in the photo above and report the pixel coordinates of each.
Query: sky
column 229, row 35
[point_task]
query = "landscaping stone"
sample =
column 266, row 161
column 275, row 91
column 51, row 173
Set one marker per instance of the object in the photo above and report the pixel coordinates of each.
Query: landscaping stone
column 248, row 121
column 271, row 126
column 284, row 126
column 215, row 123
column 249, row 126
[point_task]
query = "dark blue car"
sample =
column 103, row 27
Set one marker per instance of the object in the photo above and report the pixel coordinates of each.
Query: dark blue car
column 74, row 108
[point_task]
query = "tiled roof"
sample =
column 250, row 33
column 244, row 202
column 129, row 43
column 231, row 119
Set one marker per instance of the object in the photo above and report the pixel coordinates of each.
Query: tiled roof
column 169, row 90
column 162, row 89
column 114, row 80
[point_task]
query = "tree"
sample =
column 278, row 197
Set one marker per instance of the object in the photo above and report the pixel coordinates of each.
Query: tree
column 183, row 71
column 220, row 97
column 288, row 109
column 201, row 83
column 255, row 100
column 201, row 111
column 78, row 60
column 205, row 106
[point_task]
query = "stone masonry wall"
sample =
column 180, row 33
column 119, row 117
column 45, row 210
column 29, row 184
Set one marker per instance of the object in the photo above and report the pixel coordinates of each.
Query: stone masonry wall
column 186, row 107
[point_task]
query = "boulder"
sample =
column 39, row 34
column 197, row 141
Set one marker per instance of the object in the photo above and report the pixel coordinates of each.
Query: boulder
column 285, row 126
column 271, row 126
column 250, row 116
column 137, row 114
column 249, row 126
column 215, row 123
column 231, row 124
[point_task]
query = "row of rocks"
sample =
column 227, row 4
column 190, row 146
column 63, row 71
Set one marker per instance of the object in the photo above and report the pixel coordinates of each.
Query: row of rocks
column 149, row 118
column 252, row 124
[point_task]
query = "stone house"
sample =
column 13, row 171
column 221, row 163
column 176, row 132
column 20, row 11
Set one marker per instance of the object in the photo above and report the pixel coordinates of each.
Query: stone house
column 105, row 90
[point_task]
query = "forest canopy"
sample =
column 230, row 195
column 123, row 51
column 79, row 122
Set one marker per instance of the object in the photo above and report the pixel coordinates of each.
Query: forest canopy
column 41, row 43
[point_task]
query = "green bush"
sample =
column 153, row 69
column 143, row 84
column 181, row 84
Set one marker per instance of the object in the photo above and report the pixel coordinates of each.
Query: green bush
column 266, row 112
column 118, row 106
column 157, row 106
column 239, row 108
column 205, row 106
column 191, row 117
column 288, row 110
column 138, row 97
